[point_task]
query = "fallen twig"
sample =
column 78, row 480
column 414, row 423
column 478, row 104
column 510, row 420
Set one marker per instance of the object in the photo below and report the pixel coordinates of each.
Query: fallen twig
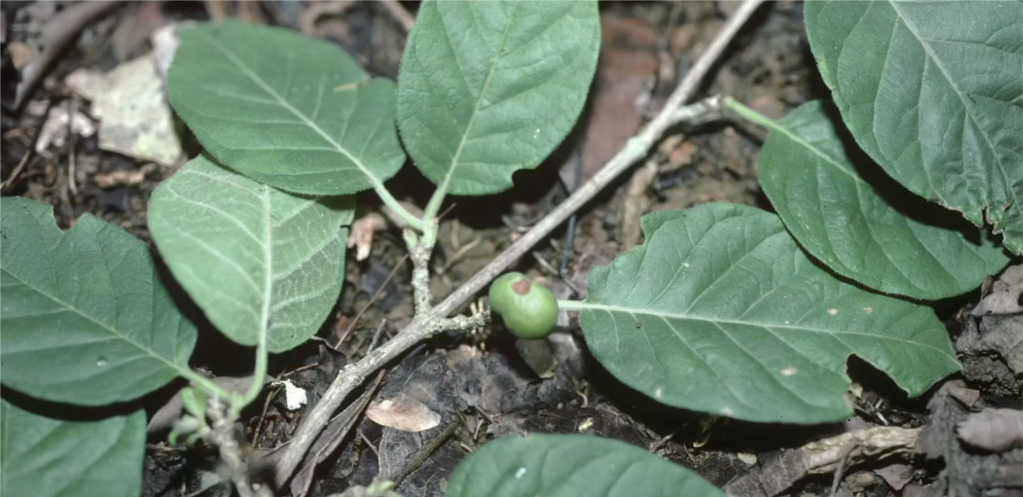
column 399, row 13
column 431, row 320
column 32, row 147
column 778, row 472
column 59, row 34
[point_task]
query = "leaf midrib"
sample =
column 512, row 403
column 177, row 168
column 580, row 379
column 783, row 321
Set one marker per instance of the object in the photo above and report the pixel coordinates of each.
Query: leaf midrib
column 944, row 72
column 284, row 104
column 268, row 269
column 479, row 100
column 861, row 186
column 581, row 306
column 117, row 335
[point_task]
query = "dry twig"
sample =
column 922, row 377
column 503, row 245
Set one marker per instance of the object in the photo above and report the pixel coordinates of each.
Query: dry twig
column 59, row 34
column 399, row 13
column 430, row 320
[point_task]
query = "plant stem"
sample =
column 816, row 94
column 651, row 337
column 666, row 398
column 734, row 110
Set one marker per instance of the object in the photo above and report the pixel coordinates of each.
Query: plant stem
column 204, row 383
column 222, row 435
column 424, row 326
column 433, row 206
column 397, row 208
column 750, row 114
column 571, row 305
column 258, row 378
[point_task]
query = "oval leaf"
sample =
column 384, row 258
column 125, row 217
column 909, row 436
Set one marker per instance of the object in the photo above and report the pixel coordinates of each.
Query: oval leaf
column 45, row 457
column 719, row 311
column 840, row 218
column 488, row 88
column 255, row 259
column 572, row 465
column 85, row 318
column 932, row 91
column 292, row 112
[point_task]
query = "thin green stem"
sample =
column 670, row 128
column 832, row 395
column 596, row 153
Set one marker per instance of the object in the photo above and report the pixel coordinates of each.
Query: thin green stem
column 204, row 383
column 258, row 377
column 397, row 208
column 750, row 114
column 571, row 305
column 433, row 207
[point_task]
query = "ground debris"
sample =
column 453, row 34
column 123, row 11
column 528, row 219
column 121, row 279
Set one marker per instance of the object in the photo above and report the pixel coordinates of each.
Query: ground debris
column 966, row 474
column 779, row 471
column 134, row 117
column 996, row 430
column 1000, row 330
column 403, row 413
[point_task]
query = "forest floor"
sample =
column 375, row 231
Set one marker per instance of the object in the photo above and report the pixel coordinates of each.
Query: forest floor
column 69, row 146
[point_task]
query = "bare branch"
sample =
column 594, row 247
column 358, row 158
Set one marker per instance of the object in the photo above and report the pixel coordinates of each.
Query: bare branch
column 426, row 324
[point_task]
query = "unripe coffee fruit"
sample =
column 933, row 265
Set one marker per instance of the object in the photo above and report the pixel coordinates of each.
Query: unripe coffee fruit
column 529, row 310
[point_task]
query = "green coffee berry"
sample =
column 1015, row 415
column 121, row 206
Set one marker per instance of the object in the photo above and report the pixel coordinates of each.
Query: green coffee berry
column 529, row 310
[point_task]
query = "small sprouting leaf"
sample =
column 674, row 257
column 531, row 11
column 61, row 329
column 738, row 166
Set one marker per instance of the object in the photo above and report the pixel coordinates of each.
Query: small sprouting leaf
column 720, row 311
column 255, row 259
column 194, row 401
column 84, row 315
column 932, row 91
column 45, row 457
column 874, row 238
column 292, row 112
column 488, row 88
column 570, row 465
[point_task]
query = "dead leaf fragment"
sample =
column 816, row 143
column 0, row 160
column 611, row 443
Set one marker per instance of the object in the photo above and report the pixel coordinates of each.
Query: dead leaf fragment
column 403, row 413
column 165, row 41
column 896, row 475
column 1005, row 294
column 135, row 119
column 361, row 236
column 964, row 394
column 997, row 430
column 627, row 61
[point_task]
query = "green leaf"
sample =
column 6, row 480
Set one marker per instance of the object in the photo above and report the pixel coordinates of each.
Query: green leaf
column 292, row 112
column 255, row 259
column 571, row 465
column 45, row 457
column 719, row 311
column 488, row 88
column 884, row 242
column 85, row 318
column 932, row 91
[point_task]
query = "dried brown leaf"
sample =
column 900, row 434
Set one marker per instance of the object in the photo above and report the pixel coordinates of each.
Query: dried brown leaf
column 403, row 413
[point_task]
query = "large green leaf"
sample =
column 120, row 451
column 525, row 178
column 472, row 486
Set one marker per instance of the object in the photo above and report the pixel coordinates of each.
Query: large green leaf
column 572, row 465
column 85, row 318
column 886, row 243
column 257, row 260
column 720, row 311
column 44, row 457
column 932, row 91
column 285, row 110
column 488, row 88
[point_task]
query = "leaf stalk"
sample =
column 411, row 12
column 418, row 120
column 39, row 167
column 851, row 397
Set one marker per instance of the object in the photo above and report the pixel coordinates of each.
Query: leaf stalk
column 396, row 207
